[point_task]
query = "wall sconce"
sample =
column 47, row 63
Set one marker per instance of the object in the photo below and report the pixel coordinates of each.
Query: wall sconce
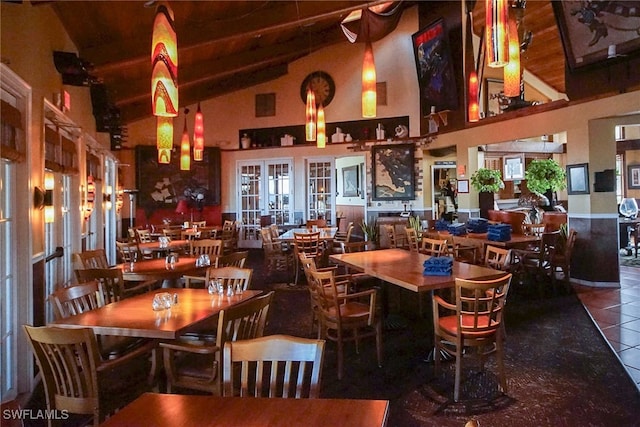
column 106, row 197
column 91, row 197
column 49, row 214
column 119, row 200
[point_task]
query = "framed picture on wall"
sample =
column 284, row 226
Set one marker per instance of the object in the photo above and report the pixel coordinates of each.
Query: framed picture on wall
column 393, row 172
column 578, row 179
column 513, row 167
column 633, row 177
column 492, row 90
column 350, row 187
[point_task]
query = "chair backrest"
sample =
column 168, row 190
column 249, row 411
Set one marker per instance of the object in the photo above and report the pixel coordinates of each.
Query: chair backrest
column 234, row 276
column 143, row 235
column 128, row 251
column 233, row 259
column 344, row 236
column 308, row 243
column 412, row 238
column 76, row 299
column 244, row 321
column 480, row 305
column 211, row 247
column 433, row 247
column 349, row 247
column 274, row 366
column 92, row 259
column 275, row 232
column 320, row 223
column 110, row 280
column 571, row 241
column 497, row 258
column 172, row 233
column 269, row 245
column 191, row 234
column 390, row 231
column 199, row 224
column 68, row 361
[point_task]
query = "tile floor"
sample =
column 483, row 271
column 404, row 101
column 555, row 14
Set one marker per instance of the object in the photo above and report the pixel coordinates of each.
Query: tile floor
column 616, row 311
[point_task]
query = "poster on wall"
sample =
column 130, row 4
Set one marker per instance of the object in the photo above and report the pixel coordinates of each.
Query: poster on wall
column 434, row 65
column 161, row 186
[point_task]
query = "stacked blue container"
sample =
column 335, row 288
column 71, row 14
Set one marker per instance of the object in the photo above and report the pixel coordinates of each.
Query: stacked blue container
column 459, row 229
column 442, row 225
column 438, row 266
column 499, row 232
column 477, row 225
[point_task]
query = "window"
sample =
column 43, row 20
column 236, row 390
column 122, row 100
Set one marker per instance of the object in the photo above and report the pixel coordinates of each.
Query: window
column 265, row 189
column 320, row 189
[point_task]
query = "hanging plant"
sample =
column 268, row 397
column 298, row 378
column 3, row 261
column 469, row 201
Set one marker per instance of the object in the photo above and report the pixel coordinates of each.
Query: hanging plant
column 487, row 180
column 544, row 175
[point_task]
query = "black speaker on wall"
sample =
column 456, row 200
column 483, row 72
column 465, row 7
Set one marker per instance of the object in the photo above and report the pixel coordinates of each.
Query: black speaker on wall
column 604, row 181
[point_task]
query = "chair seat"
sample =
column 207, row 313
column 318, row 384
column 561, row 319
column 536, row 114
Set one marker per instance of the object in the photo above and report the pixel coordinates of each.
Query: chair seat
column 351, row 311
column 195, row 366
column 449, row 324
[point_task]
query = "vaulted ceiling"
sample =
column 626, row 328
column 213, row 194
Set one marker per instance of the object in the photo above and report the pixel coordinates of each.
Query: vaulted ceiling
column 225, row 46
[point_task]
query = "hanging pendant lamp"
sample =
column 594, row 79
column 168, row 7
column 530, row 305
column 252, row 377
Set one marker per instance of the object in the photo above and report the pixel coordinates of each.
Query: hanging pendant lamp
column 512, row 69
column 164, row 63
column 185, row 148
column 310, row 113
column 368, row 83
column 473, row 108
column 322, row 134
column 496, row 36
column 164, row 141
column 198, row 136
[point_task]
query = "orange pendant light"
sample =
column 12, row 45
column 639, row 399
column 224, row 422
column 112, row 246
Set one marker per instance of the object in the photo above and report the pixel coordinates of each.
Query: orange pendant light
column 322, row 133
column 512, row 69
column 496, row 36
column 198, row 136
column 185, row 149
column 310, row 113
column 164, row 62
column 164, row 142
column 368, row 83
column 474, row 108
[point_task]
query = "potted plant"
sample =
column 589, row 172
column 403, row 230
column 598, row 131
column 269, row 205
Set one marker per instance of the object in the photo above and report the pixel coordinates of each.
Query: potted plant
column 486, row 182
column 544, row 177
column 370, row 230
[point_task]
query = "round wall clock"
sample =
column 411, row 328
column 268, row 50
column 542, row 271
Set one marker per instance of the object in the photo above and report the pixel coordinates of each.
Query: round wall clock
column 322, row 85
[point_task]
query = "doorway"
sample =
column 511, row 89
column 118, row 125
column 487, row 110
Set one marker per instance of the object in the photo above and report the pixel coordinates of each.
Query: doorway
column 444, row 197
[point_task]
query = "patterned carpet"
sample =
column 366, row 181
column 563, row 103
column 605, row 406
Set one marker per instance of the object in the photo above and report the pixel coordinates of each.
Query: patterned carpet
column 560, row 370
column 629, row 261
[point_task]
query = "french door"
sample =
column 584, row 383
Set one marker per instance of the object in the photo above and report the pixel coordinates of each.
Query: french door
column 320, row 189
column 265, row 187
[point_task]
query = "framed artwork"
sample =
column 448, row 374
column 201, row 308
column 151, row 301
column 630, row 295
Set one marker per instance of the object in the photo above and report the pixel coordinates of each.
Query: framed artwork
column 513, row 167
column 633, row 177
column 492, row 90
column 392, row 170
column 363, row 180
column 463, row 186
column 594, row 31
column 578, row 179
column 434, row 65
column 350, row 187
column 160, row 185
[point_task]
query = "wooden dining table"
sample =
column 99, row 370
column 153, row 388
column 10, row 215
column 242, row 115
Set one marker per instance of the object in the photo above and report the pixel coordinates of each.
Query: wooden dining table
column 516, row 240
column 158, row 269
column 135, row 317
column 160, row 410
column 158, row 249
column 405, row 268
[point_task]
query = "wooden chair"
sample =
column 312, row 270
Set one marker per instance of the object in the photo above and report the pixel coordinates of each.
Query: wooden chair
column 198, row 366
column 342, row 237
column 273, row 366
column 75, row 377
column 113, row 284
column 497, row 258
column 390, row 231
column 561, row 257
column 234, row 259
column 190, row 234
column 276, row 257
column 234, row 276
column 143, row 235
column 89, row 296
column 467, row 249
column 319, row 223
column 310, row 245
column 199, row 224
column 211, row 247
column 345, row 318
column 128, row 251
column 275, row 232
column 76, row 299
column 412, row 239
column 230, row 231
column 172, row 233
column 433, row 247
column 473, row 321
column 92, row 259
column 535, row 264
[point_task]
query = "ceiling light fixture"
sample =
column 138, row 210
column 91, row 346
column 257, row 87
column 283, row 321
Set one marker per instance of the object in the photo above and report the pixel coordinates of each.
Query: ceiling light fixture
column 310, row 116
column 322, row 133
column 164, row 139
column 496, row 36
column 185, row 146
column 474, row 108
column 368, row 83
column 164, row 62
column 198, row 136
column 512, row 69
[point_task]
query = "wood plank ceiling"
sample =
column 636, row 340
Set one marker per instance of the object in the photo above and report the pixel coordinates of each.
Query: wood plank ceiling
column 225, row 46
